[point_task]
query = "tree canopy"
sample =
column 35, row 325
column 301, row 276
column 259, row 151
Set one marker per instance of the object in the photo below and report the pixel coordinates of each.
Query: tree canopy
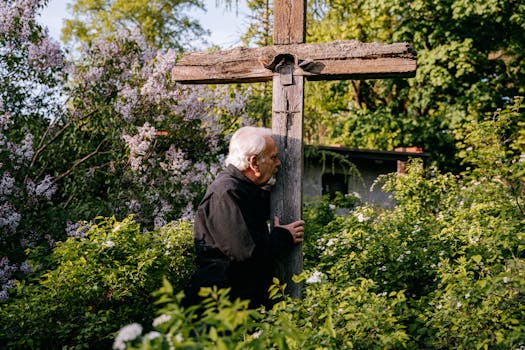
column 164, row 23
column 470, row 57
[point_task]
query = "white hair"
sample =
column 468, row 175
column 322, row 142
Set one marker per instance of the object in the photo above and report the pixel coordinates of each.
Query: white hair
column 246, row 142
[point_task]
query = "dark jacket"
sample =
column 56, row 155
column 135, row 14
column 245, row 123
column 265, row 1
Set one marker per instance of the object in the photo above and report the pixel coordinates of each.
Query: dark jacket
column 234, row 248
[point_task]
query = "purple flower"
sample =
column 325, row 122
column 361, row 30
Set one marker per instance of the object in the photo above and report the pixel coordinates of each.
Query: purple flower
column 45, row 188
column 6, row 271
column 7, row 185
column 9, row 217
column 25, row 267
column 23, row 152
column 45, row 54
column 139, row 145
column 77, row 229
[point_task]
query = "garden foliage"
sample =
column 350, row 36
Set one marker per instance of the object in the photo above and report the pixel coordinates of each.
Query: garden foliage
column 469, row 58
column 443, row 269
column 164, row 23
column 93, row 283
column 32, row 76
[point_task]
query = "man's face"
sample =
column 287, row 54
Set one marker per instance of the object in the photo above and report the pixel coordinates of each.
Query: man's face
column 269, row 165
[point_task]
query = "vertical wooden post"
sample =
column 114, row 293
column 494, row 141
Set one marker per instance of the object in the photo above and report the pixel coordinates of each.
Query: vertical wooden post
column 289, row 22
column 287, row 127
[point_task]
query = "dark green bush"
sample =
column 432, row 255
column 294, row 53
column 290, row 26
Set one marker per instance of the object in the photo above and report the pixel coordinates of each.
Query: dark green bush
column 97, row 283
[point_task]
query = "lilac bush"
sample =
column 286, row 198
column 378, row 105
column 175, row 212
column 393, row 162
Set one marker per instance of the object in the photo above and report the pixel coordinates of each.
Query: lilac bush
column 31, row 80
column 165, row 139
column 106, row 134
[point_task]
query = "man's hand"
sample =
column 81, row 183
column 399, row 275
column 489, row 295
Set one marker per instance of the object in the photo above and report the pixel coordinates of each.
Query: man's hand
column 296, row 229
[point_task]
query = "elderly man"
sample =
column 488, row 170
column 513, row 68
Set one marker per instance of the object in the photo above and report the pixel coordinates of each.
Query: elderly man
column 233, row 244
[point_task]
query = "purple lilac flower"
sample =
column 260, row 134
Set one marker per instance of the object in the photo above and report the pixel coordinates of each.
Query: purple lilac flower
column 46, row 188
column 23, row 152
column 7, row 185
column 30, row 239
column 9, row 217
column 25, row 267
column 24, row 11
column 6, row 272
column 5, row 120
column 45, row 54
column 76, row 229
column 127, row 101
column 139, row 145
column 159, row 213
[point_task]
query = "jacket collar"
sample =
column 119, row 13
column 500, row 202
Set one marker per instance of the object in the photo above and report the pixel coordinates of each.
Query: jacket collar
column 236, row 173
column 249, row 184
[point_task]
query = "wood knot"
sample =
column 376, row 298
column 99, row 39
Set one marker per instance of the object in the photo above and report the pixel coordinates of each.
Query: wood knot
column 270, row 60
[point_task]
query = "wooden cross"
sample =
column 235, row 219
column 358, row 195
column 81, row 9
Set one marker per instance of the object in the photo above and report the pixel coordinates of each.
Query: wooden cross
column 287, row 63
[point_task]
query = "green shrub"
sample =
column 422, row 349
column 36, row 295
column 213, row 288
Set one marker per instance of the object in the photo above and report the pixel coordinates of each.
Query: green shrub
column 444, row 268
column 222, row 324
column 355, row 318
column 96, row 284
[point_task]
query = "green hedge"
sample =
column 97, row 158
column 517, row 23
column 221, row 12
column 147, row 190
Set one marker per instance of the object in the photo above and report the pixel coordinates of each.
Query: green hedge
column 94, row 285
column 444, row 269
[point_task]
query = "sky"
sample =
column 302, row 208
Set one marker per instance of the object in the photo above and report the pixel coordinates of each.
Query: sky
column 226, row 26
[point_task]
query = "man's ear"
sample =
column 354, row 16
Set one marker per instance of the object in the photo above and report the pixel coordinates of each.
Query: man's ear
column 253, row 163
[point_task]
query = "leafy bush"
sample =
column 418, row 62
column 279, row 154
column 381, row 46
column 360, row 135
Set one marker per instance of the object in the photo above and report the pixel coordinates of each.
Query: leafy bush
column 357, row 319
column 95, row 283
column 445, row 268
column 222, row 324
column 107, row 134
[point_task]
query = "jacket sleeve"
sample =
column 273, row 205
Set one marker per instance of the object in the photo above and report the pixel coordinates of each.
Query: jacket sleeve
column 227, row 227
column 281, row 241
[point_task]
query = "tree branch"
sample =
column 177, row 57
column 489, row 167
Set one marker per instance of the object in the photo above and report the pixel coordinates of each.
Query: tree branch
column 42, row 146
column 80, row 161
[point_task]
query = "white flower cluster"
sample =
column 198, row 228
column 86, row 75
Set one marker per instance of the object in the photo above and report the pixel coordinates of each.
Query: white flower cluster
column 316, row 277
column 327, row 247
column 127, row 333
column 161, row 319
column 362, row 213
column 108, row 244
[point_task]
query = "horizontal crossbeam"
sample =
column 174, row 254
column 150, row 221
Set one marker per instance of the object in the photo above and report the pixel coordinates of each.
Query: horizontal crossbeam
column 327, row 61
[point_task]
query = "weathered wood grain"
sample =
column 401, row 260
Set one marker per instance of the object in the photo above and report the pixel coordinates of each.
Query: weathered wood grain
column 289, row 22
column 337, row 60
column 287, row 194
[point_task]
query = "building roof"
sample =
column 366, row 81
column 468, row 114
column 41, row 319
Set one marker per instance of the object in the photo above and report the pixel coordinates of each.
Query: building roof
column 403, row 154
